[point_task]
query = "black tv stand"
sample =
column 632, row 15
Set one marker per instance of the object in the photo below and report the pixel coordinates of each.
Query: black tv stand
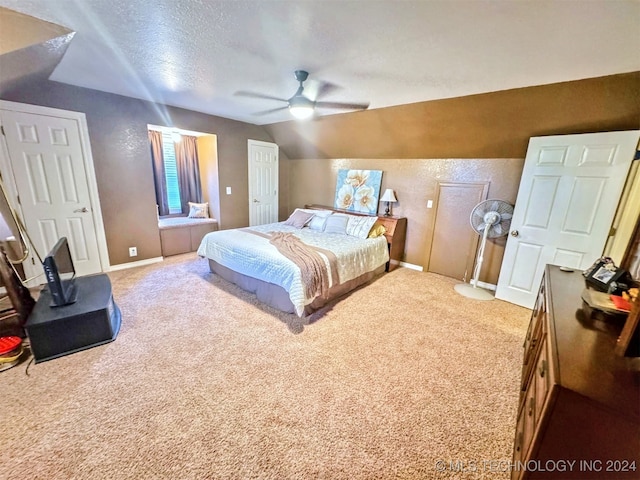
column 94, row 319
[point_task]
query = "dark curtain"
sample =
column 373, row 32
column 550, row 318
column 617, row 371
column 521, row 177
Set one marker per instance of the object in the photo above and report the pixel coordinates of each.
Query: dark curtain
column 188, row 172
column 157, row 160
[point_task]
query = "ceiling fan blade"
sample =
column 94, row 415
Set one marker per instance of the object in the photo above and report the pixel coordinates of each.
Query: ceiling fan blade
column 346, row 106
column 324, row 89
column 267, row 112
column 259, row 95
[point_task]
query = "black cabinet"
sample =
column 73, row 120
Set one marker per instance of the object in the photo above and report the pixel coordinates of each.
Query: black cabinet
column 94, row 319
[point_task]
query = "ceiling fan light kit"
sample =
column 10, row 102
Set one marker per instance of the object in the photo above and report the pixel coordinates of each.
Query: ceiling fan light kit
column 301, row 106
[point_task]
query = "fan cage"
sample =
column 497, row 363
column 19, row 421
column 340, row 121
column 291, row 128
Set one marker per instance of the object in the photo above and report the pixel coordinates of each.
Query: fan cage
column 480, row 215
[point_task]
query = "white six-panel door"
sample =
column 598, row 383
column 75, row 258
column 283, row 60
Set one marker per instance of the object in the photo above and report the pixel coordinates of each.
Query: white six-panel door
column 263, row 182
column 48, row 164
column 568, row 195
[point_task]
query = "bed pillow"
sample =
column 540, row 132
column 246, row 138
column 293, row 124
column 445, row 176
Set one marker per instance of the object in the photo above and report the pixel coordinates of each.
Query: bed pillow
column 360, row 226
column 377, row 230
column 336, row 223
column 198, row 210
column 317, row 222
column 322, row 213
column 298, row 218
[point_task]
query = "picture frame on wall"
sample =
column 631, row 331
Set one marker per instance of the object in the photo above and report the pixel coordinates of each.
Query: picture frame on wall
column 358, row 190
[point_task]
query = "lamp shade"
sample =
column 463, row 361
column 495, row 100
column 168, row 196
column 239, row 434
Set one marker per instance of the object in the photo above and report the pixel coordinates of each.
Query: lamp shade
column 388, row 196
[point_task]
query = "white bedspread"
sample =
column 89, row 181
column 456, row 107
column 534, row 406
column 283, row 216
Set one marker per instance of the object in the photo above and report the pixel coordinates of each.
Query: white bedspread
column 253, row 255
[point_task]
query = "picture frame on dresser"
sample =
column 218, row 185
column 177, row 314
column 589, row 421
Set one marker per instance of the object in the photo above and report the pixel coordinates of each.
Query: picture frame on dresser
column 602, row 274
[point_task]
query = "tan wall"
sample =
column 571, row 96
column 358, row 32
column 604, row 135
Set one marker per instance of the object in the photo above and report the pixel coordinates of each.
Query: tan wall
column 414, row 182
column 120, row 146
column 491, row 125
column 491, row 130
column 207, row 146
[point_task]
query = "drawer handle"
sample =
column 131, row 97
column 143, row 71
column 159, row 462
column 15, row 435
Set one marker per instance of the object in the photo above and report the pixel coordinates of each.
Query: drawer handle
column 543, row 368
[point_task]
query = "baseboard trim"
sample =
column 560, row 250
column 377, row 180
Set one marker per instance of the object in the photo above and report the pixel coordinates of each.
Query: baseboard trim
column 411, row 266
column 488, row 286
column 139, row 263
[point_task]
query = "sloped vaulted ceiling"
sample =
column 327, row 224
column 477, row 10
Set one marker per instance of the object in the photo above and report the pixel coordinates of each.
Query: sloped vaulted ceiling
column 29, row 48
column 197, row 54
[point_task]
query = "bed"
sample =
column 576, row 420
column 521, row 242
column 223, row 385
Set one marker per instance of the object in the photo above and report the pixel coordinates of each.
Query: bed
column 302, row 264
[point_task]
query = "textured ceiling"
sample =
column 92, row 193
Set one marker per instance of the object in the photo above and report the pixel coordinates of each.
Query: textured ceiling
column 196, row 54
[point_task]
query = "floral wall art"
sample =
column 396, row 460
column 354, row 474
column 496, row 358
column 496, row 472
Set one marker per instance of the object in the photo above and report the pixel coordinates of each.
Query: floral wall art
column 358, row 190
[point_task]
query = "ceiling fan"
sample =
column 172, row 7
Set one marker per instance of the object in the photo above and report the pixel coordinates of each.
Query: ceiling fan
column 300, row 105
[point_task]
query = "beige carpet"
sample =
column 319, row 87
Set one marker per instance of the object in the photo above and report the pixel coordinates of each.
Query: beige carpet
column 203, row 382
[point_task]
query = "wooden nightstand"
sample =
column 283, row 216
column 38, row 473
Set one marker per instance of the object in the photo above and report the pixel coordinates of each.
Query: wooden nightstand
column 396, row 232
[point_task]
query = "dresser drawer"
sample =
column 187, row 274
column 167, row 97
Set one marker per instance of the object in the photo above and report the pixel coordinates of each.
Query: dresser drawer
column 532, row 347
column 542, row 377
column 525, row 429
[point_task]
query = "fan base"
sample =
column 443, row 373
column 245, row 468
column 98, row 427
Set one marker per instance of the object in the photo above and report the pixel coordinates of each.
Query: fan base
column 470, row 291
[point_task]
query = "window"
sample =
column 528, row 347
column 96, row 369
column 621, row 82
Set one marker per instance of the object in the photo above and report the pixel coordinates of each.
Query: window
column 171, row 172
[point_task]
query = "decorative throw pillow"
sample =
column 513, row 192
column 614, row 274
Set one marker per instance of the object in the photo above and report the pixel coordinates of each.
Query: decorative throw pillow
column 336, row 223
column 377, row 230
column 360, row 226
column 298, row 218
column 319, row 217
column 198, row 210
column 317, row 222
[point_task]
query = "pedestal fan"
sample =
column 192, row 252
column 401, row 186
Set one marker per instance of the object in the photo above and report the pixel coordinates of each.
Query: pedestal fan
column 490, row 219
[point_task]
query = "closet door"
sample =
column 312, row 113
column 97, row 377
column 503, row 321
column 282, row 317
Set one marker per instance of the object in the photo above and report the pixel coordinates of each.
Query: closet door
column 454, row 242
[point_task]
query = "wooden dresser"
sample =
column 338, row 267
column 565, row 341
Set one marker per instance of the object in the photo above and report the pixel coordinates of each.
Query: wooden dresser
column 579, row 407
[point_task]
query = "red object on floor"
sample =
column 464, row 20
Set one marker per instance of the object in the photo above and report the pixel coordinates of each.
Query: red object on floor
column 7, row 344
column 621, row 303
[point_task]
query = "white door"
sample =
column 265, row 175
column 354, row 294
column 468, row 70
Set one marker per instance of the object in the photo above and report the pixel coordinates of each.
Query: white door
column 263, row 182
column 48, row 164
column 568, row 195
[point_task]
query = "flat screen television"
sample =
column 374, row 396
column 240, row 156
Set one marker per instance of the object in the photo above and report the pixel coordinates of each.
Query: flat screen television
column 60, row 274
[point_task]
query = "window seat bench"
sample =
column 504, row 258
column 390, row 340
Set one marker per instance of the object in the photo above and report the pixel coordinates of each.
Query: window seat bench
column 183, row 234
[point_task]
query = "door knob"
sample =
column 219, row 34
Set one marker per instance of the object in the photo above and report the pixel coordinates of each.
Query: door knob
column 81, row 210
column 256, row 201
column 515, row 233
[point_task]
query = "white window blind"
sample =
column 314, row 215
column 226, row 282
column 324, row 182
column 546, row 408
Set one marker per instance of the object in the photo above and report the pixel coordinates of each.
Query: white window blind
column 171, row 173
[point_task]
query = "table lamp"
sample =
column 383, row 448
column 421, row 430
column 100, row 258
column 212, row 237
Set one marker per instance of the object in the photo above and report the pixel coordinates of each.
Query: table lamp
column 390, row 198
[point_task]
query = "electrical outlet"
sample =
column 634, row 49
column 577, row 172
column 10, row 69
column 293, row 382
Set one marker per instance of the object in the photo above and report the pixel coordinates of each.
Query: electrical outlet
column 133, row 251
column 228, row 190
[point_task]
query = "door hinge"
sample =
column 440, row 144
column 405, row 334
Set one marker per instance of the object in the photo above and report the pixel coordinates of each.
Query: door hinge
column 33, row 262
column 18, row 199
column 612, row 231
column 2, row 130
